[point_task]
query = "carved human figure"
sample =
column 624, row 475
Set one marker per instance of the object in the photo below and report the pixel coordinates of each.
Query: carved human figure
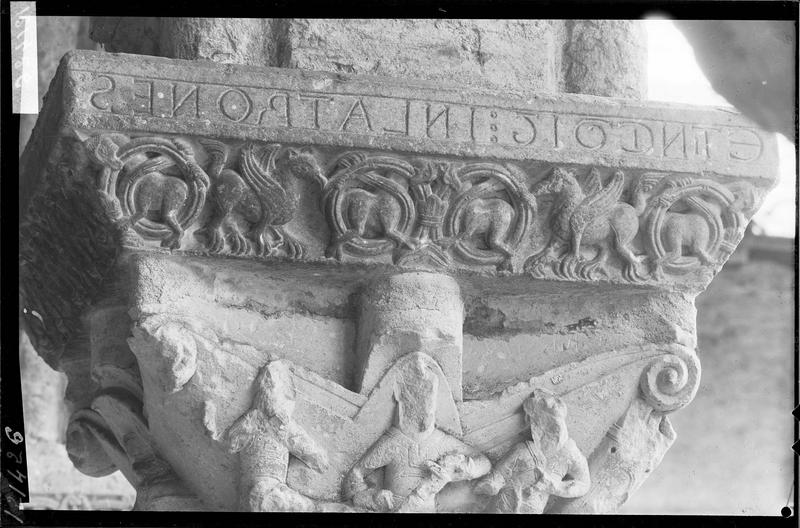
column 418, row 459
column 533, row 470
column 264, row 437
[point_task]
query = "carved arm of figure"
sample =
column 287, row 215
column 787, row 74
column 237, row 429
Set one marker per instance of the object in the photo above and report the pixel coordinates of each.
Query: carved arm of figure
column 578, row 483
column 356, row 486
column 301, row 445
column 458, row 467
column 452, row 467
column 502, row 473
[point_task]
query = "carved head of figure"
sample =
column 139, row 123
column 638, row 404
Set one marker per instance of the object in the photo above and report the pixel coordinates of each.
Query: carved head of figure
column 546, row 414
column 416, row 394
column 302, row 163
column 103, row 148
column 275, row 393
column 560, row 180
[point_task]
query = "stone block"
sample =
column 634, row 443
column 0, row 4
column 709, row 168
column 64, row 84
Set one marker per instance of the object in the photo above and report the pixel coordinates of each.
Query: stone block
column 509, row 55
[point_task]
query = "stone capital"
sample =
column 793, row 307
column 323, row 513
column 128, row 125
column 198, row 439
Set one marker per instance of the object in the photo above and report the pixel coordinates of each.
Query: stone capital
column 276, row 289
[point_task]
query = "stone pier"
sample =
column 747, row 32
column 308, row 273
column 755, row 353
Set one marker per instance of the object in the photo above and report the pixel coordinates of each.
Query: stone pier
column 371, row 288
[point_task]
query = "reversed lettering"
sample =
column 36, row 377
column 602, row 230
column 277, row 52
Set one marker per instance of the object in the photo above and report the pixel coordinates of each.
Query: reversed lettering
column 530, row 136
column 361, row 115
column 404, row 120
column 234, row 104
column 702, row 141
column 315, row 100
column 636, row 138
column 177, row 104
column 273, row 100
column 429, row 122
column 671, row 137
column 99, row 99
column 591, row 133
column 143, row 102
column 746, row 145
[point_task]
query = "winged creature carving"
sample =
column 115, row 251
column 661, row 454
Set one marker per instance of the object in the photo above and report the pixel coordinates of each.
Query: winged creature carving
column 595, row 217
column 261, row 192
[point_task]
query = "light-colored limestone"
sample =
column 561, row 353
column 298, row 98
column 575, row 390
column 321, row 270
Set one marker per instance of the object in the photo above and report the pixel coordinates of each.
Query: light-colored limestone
column 295, row 275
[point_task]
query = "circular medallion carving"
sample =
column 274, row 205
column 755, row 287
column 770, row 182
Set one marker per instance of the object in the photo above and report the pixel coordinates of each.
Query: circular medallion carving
column 368, row 205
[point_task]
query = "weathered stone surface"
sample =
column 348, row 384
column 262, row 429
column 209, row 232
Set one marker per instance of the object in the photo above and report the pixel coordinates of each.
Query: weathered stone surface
column 127, row 34
column 322, row 300
column 55, row 37
column 605, row 57
column 226, row 40
column 549, row 464
column 597, row 57
column 509, row 55
column 410, row 312
column 632, row 448
column 520, row 56
column 669, row 212
column 118, row 92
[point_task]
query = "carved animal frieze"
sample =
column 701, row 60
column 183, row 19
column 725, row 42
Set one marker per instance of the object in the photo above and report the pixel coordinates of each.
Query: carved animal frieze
column 420, row 212
column 368, row 206
column 682, row 223
column 421, row 209
column 260, row 193
column 549, row 463
column 593, row 218
column 152, row 184
column 490, row 214
column 204, row 257
column 691, row 222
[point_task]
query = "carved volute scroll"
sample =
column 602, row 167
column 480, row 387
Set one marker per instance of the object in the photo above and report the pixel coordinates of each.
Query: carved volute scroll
column 670, row 382
column 114, row 435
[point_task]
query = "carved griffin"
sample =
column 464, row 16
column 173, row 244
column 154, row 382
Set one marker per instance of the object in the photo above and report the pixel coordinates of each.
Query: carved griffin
column 593, row 218
column 260, row 192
